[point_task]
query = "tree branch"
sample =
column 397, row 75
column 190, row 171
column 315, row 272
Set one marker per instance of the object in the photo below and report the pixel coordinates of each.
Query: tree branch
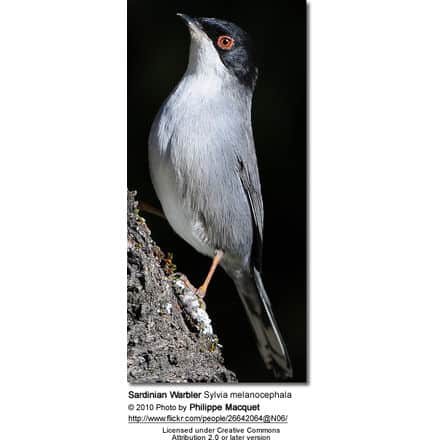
column 170, row 337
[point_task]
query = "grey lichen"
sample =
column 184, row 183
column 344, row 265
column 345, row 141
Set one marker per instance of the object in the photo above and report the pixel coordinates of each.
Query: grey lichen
column 194, row 307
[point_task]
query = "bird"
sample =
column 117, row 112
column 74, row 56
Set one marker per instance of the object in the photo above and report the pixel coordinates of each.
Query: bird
column 204, row 170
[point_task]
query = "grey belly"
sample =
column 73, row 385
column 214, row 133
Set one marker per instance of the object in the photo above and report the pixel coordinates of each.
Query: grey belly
column 178, row 213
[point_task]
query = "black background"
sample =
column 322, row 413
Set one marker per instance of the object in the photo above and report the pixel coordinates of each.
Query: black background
column 158, row 43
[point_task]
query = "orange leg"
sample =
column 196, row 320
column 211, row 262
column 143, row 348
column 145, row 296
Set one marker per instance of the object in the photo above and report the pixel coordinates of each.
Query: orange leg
column 201, row 291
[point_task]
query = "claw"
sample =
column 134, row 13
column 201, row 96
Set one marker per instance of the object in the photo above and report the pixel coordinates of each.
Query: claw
column 201, row 291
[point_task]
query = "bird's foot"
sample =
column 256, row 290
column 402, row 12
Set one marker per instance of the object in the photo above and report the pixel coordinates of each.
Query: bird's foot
column 200, row 292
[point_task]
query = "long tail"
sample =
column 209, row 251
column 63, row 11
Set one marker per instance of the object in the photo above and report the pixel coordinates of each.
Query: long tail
column 269, row 340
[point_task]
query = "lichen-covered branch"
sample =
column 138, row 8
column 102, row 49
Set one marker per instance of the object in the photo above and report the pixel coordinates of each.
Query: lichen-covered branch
column 170, row 337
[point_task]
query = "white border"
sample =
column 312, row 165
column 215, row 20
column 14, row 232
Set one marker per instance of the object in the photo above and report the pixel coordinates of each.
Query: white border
column 374, row 221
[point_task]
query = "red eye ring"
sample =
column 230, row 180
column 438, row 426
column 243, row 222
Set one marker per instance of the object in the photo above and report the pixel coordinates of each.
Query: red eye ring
column 225, row 42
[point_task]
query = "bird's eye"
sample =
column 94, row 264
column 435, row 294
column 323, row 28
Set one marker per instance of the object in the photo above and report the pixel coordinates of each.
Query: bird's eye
column 225, row 42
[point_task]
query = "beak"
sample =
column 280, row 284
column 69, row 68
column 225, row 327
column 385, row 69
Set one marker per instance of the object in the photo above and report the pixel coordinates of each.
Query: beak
column 191, row 22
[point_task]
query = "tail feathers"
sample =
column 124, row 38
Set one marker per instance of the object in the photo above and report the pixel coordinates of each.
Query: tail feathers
column 269, row 340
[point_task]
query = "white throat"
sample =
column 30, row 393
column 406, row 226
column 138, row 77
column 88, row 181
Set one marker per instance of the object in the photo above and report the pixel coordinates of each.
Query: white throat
column 204, row 63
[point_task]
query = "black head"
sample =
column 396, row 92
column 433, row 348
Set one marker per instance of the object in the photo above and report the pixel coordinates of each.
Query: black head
column 233, row 45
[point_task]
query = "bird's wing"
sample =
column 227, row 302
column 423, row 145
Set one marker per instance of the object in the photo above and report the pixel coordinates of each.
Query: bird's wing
column 248, row 172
